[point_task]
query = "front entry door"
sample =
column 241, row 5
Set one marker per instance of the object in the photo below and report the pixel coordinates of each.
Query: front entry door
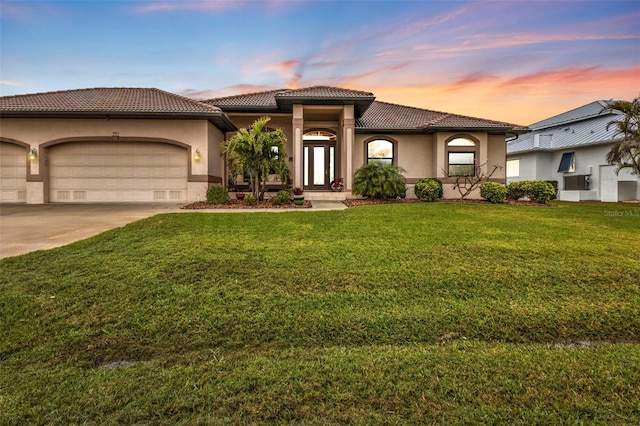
column 319, row 166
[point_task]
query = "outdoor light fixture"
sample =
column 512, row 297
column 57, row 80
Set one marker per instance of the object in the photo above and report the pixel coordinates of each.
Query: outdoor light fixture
column 33, row 154
column 196, row 155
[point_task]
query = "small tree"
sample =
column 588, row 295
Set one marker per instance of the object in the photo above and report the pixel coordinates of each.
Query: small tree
column 258, row 153
column 467, row 183
column 625, row 153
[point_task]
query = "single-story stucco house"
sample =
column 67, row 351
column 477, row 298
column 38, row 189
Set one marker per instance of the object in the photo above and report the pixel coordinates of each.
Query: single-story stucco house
column 570, row 148
column 148, row 145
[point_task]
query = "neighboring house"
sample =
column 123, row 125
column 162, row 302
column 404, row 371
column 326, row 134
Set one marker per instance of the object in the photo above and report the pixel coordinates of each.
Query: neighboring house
column 147, row 145
column 570, row 148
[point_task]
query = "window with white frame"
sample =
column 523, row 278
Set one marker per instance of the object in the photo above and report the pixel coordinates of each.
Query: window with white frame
column 513, row 168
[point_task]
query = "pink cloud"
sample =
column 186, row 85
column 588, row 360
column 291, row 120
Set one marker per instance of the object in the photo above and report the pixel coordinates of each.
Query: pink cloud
column 205, row 5
column 522, row 99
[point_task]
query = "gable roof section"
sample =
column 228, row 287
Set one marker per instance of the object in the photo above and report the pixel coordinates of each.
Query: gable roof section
column 382, row 116
column 325, row 95
column 111, row 102
column 282, row 100
column 582, row 126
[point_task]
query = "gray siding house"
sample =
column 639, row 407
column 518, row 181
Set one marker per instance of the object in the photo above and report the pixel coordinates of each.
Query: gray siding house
column 570, row 148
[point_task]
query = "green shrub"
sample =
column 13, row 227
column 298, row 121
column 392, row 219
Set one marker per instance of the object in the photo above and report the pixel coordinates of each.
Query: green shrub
column 540, row 191
column 217, row 195
column 428, row 189
column 553, row 183
column 282, row 197
column 517, row 190
column 493, row 192
column 378, row 180
column 250, row 200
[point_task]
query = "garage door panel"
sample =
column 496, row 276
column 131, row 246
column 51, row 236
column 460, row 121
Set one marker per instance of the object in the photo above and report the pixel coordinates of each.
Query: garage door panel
column 13, row 173
column 118, row 172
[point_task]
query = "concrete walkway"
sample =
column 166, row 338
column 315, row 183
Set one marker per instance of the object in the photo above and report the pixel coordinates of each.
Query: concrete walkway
column 26, row 228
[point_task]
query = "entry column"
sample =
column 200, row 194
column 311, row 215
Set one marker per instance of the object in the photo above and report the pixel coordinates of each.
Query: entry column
column 348, row 125
column 298, row 131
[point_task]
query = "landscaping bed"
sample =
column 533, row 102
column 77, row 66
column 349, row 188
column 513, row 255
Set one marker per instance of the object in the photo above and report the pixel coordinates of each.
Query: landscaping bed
column 373, row 201
column 237, row 204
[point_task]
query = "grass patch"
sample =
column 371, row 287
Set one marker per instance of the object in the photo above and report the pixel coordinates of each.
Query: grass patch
column 413, row 313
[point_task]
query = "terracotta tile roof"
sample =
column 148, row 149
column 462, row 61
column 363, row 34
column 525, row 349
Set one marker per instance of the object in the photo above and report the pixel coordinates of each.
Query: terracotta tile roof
column 122, row 100
column 383, row 115
column 269, row 98
column 325, row 92
column 248, row 100
column 386, row 116
column 463, row 121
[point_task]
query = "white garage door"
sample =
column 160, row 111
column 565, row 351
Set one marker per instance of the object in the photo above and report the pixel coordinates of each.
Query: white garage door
column 117, row 172
column 13, row 173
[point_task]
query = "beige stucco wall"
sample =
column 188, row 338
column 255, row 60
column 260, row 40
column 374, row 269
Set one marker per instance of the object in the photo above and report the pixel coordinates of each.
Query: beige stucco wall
column 41, row 133
column 425, row 155
column 414, row 153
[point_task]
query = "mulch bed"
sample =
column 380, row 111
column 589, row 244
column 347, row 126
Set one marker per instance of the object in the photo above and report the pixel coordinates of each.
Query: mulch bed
column 370, row 201
column 237, row 204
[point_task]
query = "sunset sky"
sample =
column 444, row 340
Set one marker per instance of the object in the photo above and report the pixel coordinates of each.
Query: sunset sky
column 515, row 61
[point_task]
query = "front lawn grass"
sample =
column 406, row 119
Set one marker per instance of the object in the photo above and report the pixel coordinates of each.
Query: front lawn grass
column 444, row 313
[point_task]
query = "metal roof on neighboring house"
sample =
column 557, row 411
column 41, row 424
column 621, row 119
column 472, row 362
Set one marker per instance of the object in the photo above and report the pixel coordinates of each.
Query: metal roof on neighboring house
column 582, row 126
column 112, row 102
column 593, row 109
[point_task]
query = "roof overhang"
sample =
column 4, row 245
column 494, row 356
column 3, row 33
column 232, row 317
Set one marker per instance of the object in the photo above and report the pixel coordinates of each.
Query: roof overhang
column 219, row 119
column 360, row 103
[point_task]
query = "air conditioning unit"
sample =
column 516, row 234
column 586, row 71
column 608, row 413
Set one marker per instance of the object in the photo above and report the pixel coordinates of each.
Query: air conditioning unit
column 577, row 182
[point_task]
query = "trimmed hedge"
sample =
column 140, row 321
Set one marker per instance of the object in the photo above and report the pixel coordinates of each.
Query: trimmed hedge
column 428, row 189
column 493, row 192
column 553, row 183
column 217, row 195
column 539, row 191
column 517, row 190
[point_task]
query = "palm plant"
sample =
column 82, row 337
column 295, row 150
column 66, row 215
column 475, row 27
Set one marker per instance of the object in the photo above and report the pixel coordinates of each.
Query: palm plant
column 379, row 180
column 258, row 153
column 625, row 153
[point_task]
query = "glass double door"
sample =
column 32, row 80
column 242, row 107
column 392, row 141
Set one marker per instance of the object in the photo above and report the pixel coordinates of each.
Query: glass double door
column 319, row 166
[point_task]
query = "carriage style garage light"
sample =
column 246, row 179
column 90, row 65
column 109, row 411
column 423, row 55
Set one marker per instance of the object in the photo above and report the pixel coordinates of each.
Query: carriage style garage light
column 196, row 155
column 33, row 154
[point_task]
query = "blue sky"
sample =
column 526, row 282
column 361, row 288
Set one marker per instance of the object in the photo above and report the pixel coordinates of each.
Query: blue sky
column 517, row 61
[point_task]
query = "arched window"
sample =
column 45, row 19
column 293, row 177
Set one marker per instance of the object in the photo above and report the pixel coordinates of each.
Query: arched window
column 380, row 150
column 461, row 157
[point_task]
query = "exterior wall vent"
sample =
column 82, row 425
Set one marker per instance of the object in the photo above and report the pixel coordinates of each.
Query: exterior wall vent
column 577, row 182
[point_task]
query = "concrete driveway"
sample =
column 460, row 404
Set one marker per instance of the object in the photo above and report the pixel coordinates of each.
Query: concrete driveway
column 27, row 228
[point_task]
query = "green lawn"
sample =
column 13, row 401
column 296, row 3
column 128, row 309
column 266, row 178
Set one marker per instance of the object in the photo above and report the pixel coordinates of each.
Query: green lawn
column 442, row 313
